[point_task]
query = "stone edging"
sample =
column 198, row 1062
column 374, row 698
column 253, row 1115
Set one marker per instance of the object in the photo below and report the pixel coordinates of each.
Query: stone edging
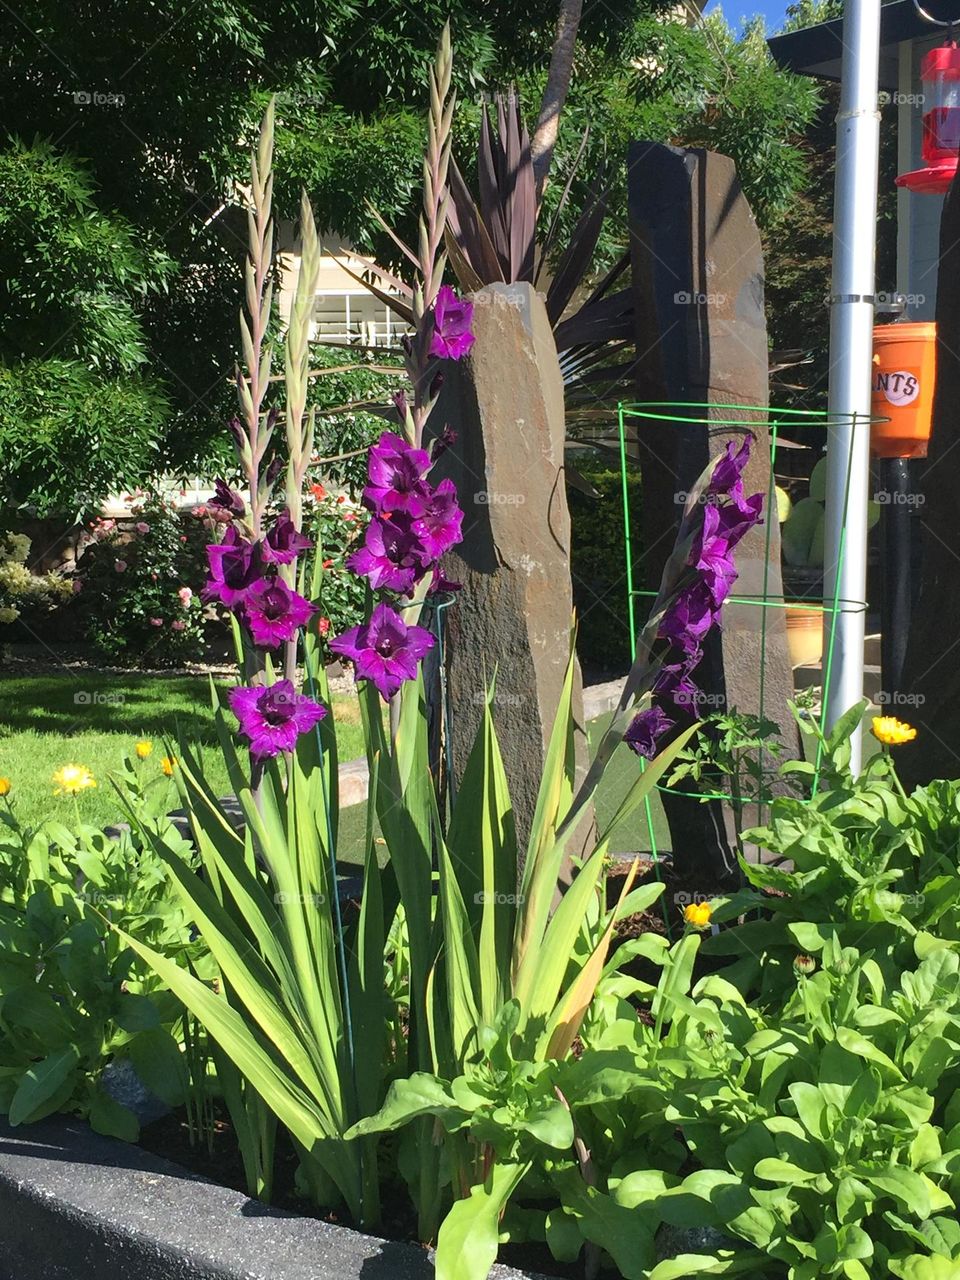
column 78, row 1206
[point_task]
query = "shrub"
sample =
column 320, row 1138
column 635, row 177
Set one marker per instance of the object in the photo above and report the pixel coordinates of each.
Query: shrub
column 338, row 525
column 69, row 436
column 139, row 592
column 23, row 592
column 598, row 564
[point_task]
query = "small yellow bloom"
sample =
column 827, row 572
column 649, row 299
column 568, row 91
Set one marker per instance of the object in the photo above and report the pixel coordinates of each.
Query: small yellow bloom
column 698, row 914
column 6, row 786
column 143, row 748
column 891, row 731
column 168, row 764
column 71, row 779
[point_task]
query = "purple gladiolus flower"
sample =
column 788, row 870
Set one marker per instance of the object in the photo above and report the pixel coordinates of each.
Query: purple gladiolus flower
column 673, row 682
column 652, row 723
column 395, row 471
column 441, row 584
column 439, row 526
column 392, row 555
column 284, row 542
column 689, row 618
column 727, row 478
column 384, row 650
column 452, row 317
column 272, row 717
column 273, row 612
column 234, row 568
column 227, row 499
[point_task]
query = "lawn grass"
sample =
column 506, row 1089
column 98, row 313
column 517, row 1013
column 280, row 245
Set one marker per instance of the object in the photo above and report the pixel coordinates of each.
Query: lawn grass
column 95, row 720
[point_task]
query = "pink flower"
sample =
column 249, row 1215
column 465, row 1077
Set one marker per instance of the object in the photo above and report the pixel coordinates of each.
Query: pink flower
column 178, row 625
column 156, row 622
column 120, row 566
column 142, row 526
column 186, row 595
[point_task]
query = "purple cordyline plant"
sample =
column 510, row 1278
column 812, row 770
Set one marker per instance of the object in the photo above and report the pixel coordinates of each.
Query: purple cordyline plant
column 696, row 608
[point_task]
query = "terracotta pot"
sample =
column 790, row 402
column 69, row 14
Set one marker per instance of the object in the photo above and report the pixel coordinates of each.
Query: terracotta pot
column 805, row 636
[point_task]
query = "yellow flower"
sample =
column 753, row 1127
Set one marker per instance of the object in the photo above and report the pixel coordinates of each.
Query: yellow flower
column 698, row 914
column 6, row 786
column 71, row 779
column 143, row 749
column 891, row 731
column 168, row 764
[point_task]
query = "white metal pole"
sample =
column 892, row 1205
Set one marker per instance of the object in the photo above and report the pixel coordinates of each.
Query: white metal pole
column 851, row 356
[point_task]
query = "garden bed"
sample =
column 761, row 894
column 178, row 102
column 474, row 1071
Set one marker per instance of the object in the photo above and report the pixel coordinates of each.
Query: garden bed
column 77, row 1206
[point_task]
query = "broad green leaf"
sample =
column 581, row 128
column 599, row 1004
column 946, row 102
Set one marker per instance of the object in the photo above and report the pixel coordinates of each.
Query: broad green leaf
column 42, row 1084
column 110, row 1117
column 418, row 1095
column 469, row 1237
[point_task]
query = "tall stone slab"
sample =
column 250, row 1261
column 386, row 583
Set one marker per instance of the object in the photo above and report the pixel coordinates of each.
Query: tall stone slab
column 701, row 339
column 513, row 615
column 931, row 674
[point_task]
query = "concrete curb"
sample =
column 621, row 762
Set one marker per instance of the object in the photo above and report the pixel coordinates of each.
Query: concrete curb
column 78, row 1206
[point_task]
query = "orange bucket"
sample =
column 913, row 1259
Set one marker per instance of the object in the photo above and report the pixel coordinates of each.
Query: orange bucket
column 904, row 371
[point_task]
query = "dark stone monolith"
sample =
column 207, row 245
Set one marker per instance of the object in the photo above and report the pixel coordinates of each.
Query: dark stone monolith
column 930, row 687
column 702, row 341
column 513, row 616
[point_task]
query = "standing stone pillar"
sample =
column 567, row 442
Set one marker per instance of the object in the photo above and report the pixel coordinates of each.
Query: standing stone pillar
column 514, row 613
column 701, row 337
column 931, row 675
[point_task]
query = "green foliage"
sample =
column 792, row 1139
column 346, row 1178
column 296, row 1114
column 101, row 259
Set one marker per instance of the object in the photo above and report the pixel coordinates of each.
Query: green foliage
column 139, row 591
column 598, row 564
column 80, row 409
column 70, row 435
column 22, row 591
column 72, row 996
column 868, row 866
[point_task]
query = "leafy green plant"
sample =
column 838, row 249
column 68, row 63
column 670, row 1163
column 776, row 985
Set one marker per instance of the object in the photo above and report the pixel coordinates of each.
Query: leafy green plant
column 736, row 756
column 23, row 592
column 72, row 996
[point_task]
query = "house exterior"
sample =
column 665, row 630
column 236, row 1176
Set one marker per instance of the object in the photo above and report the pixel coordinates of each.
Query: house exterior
column 905, row 38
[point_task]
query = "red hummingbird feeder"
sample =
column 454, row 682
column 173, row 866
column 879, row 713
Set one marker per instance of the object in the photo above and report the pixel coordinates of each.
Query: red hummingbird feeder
column 940, row 73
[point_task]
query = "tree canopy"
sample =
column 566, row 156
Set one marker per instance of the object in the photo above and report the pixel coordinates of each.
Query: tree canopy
column 129, row 125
